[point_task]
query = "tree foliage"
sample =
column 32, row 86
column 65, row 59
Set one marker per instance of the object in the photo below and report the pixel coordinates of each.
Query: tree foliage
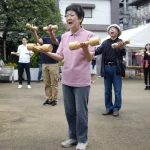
column 14, row 14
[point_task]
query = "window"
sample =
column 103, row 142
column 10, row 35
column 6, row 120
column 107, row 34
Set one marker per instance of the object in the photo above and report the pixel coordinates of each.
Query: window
column 88, row 12
column 88, row 8
column 148, row 21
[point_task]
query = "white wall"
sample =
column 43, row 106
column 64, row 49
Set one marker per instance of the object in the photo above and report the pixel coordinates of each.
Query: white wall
column 101, row 13
column 102, row 35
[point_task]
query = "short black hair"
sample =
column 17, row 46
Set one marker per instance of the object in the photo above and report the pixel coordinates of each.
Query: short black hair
column 77, row 9
column 146, row 45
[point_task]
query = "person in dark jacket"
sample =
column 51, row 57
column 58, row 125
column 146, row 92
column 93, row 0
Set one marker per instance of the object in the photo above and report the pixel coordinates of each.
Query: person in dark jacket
column 112, row 69
column 146, row 66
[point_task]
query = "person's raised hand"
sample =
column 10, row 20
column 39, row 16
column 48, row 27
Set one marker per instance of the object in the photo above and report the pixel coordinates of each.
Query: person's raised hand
column 121, row 44
column 49, row 28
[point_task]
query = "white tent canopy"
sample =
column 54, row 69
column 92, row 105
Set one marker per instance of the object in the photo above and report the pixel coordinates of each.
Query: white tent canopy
column 138, row 37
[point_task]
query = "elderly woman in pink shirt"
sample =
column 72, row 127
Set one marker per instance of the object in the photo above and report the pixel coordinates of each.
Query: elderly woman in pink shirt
column 76, row 77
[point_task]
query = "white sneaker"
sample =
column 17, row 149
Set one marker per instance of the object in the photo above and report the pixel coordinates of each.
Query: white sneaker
column 19, row 86
column 29, row 86
column 81, row 146
column 69, row 143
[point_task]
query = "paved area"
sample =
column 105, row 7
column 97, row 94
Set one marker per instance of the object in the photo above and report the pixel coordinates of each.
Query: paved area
column 25, row 124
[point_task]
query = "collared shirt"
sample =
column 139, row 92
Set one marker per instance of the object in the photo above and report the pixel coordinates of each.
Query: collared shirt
column 76, row 71
column 23, row 57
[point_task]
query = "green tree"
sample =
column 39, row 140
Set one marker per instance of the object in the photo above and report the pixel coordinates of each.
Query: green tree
column 15, row 14
column 35, row 60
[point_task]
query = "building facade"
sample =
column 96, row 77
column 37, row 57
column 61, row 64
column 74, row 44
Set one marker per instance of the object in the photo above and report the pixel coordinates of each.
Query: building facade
column 99, row 14
column 134, row 13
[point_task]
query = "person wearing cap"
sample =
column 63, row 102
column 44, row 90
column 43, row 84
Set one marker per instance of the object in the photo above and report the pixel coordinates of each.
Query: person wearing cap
column 112, row 69
column 50, row 68
column 24, row 62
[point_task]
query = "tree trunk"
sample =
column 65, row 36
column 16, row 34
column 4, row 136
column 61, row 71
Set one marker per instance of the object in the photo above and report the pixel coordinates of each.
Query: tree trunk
column 5, row 49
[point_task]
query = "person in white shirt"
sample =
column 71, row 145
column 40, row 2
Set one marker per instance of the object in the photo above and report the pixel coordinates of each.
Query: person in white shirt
column 24, row 62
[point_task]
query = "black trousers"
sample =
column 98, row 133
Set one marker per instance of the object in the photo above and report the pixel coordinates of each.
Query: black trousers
column 147, row 75
column 21, row 68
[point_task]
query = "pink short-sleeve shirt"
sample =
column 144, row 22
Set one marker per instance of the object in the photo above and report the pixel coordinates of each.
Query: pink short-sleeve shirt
column 76, row 70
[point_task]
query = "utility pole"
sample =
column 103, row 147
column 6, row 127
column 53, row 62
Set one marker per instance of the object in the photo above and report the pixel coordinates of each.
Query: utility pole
column 125, row 5
column 125, row 20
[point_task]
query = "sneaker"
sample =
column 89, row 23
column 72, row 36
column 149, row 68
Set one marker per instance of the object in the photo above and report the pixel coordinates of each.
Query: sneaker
column 69, row 143
column 54, row 102
column 49, row 102
column 146, row 88
column 81, row 146
column 29, row 86
column 116, row 113
column 19, row 86
column 107, row 112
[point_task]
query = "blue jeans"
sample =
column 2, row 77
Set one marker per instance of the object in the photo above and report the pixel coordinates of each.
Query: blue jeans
column 76, row 109
column 40, row 72
column 112, row 78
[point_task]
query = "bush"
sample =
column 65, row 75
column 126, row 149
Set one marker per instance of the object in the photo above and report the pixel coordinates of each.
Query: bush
column 11, row 64
column 35, row 60
column 61, row 63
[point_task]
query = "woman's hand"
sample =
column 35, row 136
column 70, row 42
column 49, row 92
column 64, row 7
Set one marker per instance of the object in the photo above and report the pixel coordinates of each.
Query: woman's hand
column 87, row 54
column 121, row 44
column 84, row 46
